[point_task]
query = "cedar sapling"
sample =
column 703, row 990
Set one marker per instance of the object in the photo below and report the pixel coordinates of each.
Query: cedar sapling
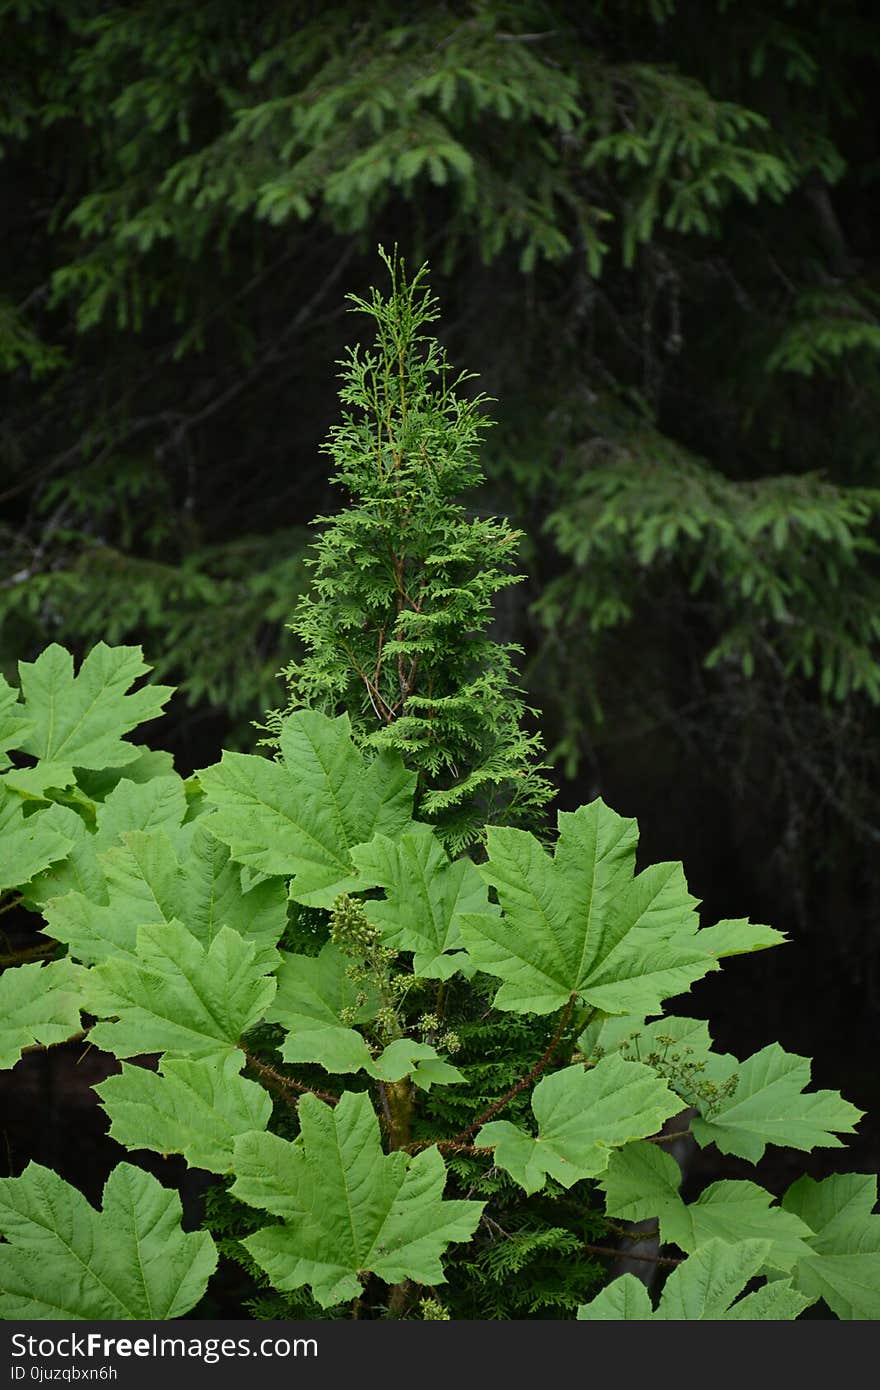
column 395, row 626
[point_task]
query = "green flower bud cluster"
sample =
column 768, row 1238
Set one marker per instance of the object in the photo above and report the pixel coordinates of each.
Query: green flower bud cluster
column 386, row 1020
column 429, row 1026
column 350, row 928
column 683, row 1074
column 432, row 1310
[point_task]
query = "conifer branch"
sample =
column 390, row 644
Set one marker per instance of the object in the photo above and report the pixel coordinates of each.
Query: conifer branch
column 523, row 1082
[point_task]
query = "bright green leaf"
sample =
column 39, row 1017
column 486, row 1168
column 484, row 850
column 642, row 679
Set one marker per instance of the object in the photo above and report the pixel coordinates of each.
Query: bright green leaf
column 347, row 1207
column 190, row 1108
column 80, row 720
column 642, row 1182
column 302, row 816
column 145, row 882
column 425, row 895
column 843, row 1267
column 702, row 1288
column 130, row 1261
column 769, row 1107
column 175, row 996
column 582, row 924
column 582, row 1115
column 28, row 844
column 38, row 1004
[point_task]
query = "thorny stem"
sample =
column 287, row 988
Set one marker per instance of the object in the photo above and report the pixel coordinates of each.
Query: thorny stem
column 665, row 1138
column 30, row 953
column 631, row 1255
column 523, row 1082
column 286, row 1083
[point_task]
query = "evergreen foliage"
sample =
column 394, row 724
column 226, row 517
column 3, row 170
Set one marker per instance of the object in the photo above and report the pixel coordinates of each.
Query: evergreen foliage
column 394, row 625
column 301, row 920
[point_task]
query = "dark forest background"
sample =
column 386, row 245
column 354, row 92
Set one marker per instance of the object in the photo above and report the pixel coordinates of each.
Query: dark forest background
column 653, row 229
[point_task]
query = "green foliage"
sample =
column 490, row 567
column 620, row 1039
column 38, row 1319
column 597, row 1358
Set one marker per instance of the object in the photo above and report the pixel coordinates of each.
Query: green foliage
column 394, row 627
column 782, row 564
column 845, row 1269
column 656, row 242
column 39, row 1004
column 346, row 1206
column 704, row 1287
column 194, row 1108
column 386, row 1169
column 581, row 1115
column 582, row 927
column 270, row 826
column 353, row 1191
column 62, row 1259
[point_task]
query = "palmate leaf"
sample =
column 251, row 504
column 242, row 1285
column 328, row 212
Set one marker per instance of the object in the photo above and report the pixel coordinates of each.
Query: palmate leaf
column 129, row 1261
column 144, row 882
column 312, row 993
column 582, row 924
column 425, row 896
column 174, row 995
column 843, row 1266
column 702, row 1288
column 582, row 1115
column 300, row 817
column 190, row 1108
column 38, row 1004
column 769, row 1107
column 347, row 1208
column 28, row 844
column 642, row 1182
column 79, row 721
column 159, row 804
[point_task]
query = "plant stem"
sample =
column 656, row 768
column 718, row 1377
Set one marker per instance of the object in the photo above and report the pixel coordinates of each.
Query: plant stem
column 286, row 1083
column 630, row 1255
column 523, row 1082
column 29, row 953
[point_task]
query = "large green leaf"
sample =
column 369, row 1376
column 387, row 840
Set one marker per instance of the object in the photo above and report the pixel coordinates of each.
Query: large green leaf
column 28, row 844
column 174, row 995
column 144, row 882
column 79, row 721
column 581, row 924
column 702, row 1288
column 769, row 1107
column 159, row 804
column 129, row 1261
column 190, row 1108
column 300, row 817
column 843, row 1265
column 347, row 1208
column 425, row 896
column 582, row 1115
column 642, row 1182
column 38, row 1004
